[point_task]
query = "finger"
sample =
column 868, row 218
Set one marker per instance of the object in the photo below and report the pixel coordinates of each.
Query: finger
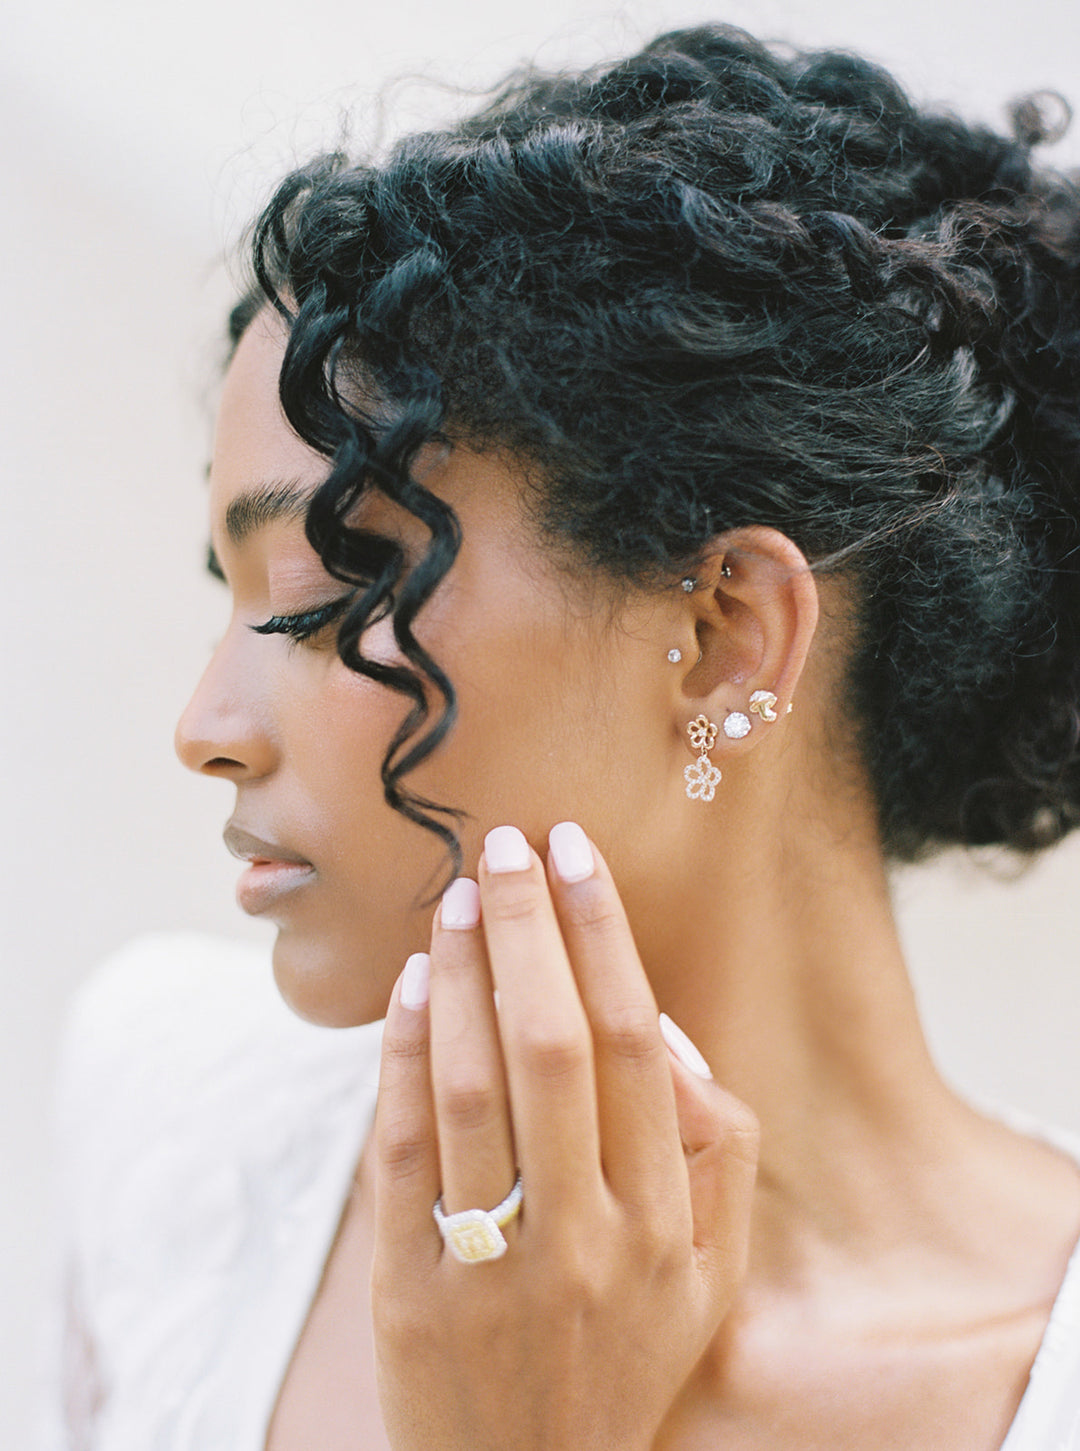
column 406, row 1151
column 636, row 1102
column 476, row 1149
column 720, row 1140
column 547, row 1047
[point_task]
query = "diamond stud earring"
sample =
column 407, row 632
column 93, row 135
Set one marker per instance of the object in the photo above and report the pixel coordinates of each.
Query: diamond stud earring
column 736, row 725
column 674, row 656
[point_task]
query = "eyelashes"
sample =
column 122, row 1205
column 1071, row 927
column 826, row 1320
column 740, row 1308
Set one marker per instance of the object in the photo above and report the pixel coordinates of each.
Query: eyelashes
column 308, row 624
column 304, row 625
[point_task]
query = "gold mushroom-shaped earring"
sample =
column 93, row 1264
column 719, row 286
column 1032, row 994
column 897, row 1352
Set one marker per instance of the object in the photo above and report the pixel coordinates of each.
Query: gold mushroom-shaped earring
column 702, row 778
column 763, row 703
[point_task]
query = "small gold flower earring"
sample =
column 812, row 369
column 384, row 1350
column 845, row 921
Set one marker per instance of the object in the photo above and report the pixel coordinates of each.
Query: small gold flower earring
column 702, row 778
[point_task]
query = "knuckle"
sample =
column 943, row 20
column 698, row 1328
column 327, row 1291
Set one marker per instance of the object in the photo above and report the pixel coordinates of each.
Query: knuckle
column 404, row 1049
column 593, row 912
column 647, row 1240
column 629, row 1032
column 551, row 1053
column 574, row 1284
column 403, row 1151
column 738, row 1129
column 467, row 1102
column 513, row 902
column 741, row 1122
column 658, row 1231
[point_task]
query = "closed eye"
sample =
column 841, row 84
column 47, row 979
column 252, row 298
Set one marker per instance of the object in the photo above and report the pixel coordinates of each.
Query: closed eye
column 304, row 626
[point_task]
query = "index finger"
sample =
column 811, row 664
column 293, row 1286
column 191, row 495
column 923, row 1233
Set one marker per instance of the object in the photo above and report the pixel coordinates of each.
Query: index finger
column 405, row 1136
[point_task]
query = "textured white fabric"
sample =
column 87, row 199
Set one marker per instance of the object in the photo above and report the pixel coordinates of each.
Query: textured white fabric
column 208, row 1140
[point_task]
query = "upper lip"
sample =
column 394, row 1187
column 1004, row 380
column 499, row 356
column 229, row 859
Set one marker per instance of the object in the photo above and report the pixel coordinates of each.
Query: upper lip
column 251, row 848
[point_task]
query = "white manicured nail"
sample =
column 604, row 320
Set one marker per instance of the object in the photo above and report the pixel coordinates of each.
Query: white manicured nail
column 414, row 981
column 460, row 908
column 506, row 850
column 682, row 1047
column 571, row 852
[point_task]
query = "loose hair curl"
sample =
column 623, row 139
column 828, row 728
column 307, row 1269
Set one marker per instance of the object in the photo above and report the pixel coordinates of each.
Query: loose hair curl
column 717, row 285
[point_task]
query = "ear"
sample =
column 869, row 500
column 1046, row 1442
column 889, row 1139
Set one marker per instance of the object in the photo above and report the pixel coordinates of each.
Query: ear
column 754, row 610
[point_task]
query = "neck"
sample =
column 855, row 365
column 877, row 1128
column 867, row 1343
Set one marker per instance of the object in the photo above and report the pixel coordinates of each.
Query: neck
column 783, row 963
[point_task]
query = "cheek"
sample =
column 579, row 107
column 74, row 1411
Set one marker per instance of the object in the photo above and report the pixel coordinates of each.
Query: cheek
column 539, row 738
column 337, row 736
column 339, row 949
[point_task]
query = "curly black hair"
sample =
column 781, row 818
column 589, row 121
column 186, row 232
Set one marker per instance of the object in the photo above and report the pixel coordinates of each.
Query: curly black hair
column 715, row 285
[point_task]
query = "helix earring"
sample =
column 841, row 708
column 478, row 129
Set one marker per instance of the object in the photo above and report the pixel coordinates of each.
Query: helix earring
column 702, row 778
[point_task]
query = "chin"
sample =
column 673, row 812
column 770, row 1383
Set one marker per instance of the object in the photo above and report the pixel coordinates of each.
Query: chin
column 315, row 982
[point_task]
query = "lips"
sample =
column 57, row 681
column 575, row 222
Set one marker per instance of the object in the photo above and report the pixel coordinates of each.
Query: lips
column 247, row 847
column 273, row 871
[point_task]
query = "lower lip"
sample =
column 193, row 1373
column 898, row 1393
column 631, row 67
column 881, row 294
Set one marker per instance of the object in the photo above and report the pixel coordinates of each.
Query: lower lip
column 264, row 884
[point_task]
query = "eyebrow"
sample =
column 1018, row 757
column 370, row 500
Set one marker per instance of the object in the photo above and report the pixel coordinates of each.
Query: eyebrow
column 253, row 510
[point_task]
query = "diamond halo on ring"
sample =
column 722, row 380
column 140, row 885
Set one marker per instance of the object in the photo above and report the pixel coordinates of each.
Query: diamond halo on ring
column 473, row 1235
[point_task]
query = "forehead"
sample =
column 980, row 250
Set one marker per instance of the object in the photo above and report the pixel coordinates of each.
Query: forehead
column 253, row 441
column 256, row 453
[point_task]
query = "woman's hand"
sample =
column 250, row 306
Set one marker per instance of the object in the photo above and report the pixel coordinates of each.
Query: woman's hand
column 637, row 1174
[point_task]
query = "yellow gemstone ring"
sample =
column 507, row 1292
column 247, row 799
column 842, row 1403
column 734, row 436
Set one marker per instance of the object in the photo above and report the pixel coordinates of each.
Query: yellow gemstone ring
column 476, row 1234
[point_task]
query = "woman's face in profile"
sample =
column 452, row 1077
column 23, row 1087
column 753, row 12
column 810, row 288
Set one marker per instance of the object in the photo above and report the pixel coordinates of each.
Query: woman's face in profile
column 550, row 691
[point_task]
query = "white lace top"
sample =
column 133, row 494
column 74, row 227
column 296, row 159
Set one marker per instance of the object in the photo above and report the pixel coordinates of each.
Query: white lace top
column 208, row 1140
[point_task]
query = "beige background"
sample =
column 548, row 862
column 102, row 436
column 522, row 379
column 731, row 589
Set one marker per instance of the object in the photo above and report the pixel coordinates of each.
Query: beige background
column 137, row 140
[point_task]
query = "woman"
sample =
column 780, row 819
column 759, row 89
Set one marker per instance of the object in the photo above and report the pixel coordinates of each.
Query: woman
column 649, row 509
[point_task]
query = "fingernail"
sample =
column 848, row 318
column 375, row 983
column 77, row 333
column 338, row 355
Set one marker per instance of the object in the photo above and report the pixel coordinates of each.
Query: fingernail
column 414, row 981
column 460, row 907
column 682, row 1047
column 571, row 852
column 506, row 850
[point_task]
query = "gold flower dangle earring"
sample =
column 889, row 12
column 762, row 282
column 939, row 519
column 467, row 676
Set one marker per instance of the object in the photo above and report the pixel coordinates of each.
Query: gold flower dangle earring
column 702, row 778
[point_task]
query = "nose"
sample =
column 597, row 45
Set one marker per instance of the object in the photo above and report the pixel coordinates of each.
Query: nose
column 224, row 729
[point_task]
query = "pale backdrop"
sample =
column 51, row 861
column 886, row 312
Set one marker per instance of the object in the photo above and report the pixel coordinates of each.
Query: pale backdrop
column 137, row 138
